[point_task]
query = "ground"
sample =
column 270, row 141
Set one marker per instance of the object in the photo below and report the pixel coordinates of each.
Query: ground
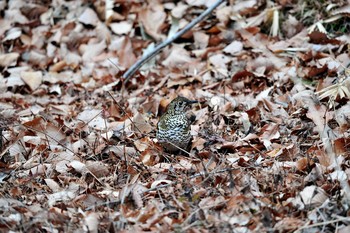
column 271, row 146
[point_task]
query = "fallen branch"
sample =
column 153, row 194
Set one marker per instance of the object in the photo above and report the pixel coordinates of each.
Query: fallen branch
column 169, row 40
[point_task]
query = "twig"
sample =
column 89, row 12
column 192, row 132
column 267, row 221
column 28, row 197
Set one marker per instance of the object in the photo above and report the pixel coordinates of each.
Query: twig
column 170, row 39
column 322, row 223
column 51, row 137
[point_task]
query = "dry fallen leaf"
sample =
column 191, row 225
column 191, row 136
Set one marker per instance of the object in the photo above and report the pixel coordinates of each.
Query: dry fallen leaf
column 89, row 17
column 8, row 59
column 121, row 28
column 32, row 79
column 152, row 19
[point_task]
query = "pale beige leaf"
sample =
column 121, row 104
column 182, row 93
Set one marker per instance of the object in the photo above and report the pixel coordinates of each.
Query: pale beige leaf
column 140, row 124
column 121, row 28
column 234, row 48
column 178, row 56
column 152, row 19
column 97, row 168
column 89, row 17
column 91, row 222
column 32, row 79
column 53, row 185
column 8, row 59
column 78, row 166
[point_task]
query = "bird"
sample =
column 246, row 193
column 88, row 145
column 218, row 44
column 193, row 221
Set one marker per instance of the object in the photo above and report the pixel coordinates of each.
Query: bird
column 174, row 126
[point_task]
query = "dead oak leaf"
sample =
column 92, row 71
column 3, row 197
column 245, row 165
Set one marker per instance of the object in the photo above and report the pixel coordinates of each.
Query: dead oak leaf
column 152, row 18
column 126, row 56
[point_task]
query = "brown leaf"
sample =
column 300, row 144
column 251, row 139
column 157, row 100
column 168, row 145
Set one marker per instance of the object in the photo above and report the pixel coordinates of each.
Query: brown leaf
column 140, row 124
column 317, row 37
column 152, row 18
column 97, row 168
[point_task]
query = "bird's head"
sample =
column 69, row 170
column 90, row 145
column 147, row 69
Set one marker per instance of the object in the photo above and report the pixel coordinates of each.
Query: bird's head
column 180, row 105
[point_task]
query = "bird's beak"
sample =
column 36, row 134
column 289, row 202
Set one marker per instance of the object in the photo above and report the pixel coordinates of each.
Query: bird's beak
column 192, row 101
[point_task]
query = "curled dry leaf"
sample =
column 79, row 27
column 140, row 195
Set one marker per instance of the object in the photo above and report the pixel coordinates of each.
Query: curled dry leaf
column 302, row 164
column 219, row 62
column 149, row 157
column 59, row 66
column 160, row 182
column 122, row 151
column 201, row 40
column 270, row 131
column 198, row 143
column 34, row 140
column 137, row 192
column 46, row 131
column 93, row 118
column 212, row 202
column 60, row 160
column 288, row 224
column 40, row 169
column 126, row 54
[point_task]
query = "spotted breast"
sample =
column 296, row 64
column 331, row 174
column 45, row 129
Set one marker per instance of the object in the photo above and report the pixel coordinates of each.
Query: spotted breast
column 174, row 126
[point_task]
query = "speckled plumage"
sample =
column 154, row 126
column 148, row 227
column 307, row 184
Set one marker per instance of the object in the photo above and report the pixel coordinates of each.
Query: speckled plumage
column 173, row 129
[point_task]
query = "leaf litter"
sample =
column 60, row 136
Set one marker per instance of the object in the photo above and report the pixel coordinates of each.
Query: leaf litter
column 270, row 139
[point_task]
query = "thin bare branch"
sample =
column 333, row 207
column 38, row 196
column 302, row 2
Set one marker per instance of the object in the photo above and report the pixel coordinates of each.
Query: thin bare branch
column 128, row 74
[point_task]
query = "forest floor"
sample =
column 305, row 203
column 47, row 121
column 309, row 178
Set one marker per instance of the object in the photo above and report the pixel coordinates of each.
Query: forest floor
column 271, row 146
